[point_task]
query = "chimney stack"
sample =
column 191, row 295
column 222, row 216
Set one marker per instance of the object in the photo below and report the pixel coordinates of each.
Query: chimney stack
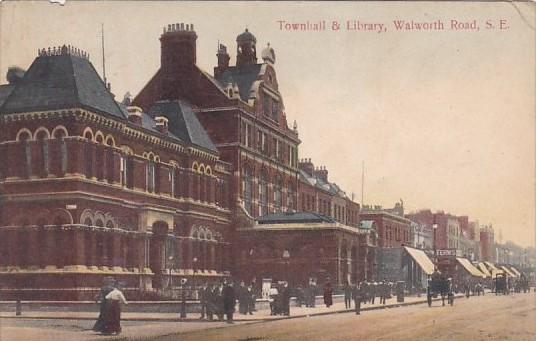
column 223, row 60
column 162, row 124
column 134, row 115
column 178, row 57
column 307, row 166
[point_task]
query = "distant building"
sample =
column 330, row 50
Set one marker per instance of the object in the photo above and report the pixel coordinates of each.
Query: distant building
column 393, row 228
column 487, row 244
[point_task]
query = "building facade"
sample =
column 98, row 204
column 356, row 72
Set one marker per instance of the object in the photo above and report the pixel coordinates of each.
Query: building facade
column 112, row 190
column 394, row 230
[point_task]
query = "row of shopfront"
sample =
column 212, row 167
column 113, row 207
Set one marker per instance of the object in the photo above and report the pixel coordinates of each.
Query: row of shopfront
column 414, row 266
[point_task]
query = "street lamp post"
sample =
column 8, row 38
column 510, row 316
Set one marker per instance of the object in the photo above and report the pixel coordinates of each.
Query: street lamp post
column 170, row 278
column 434, row 226
column 286, row 257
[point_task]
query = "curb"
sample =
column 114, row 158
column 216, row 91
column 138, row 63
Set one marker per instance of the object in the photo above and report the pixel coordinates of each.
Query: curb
column 256, row 320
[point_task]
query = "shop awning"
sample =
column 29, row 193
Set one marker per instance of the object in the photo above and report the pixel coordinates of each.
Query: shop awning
column 510, row 273
column 493, row 269
column 467, row 265
column 482, row 267
column 514, row 270
column 422, row 259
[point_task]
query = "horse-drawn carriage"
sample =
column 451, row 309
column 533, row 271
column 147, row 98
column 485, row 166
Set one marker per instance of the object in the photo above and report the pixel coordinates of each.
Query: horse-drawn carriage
column 439, row 285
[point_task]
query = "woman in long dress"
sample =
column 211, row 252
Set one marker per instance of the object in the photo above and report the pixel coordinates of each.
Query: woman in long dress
column 113, row 315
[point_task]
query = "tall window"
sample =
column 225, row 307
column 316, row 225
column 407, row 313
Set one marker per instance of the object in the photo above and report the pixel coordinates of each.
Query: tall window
column 277, row 195
column 124, row 170
column 263, row 194
column 290, row 197
column 275, row 111
column 266, row 105
column 247, row 189
column 25, row 138
column 150, row 176
column 42, row 139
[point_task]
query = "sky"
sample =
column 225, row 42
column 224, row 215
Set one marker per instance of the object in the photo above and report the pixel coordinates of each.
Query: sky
column 443, row 119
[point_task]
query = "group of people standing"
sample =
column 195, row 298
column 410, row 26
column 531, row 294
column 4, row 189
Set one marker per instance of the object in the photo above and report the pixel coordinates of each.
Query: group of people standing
column 218, row 300
column 369, row 291
column 110, row 298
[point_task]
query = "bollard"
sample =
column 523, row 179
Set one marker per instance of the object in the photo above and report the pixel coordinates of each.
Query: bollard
column 18, row 308
column 183, row 303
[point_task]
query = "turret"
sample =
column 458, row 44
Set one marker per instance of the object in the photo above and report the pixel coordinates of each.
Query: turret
column 246, row 50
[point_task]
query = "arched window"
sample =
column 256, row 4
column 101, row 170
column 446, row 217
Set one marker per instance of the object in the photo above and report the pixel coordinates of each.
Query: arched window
column 100, row 155
column 277, row 194
column 42, row 141
column 247, row 189
column 263, row 194
column 151, row 173
column 59, row 133
column 24, row 136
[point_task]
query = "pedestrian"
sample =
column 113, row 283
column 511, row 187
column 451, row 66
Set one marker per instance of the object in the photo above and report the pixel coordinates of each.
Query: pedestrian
column 243, row 299
column 372, row 291
column 312, row 302
column 229, row 301
column 101, row 297
column 365, row 296
column 357, row 295
column 113, row 314
column 381, row 292
column 250, row 300
column 218, row 300
column 328, row 294
column 347, row 295
column 285, row 299
column 202, row 293
column 299, row 296
column 210, row 304
column 274, row 293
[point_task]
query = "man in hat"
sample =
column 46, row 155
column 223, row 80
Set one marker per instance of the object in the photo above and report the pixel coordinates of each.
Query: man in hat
column 357, row 295
column 328, row 293
column 203, row 299
column 229, row 301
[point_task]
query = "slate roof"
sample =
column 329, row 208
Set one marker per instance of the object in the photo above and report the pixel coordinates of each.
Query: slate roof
column 316, row 181
column 366, row 224
column 59, row 82
column 244, row 76
column 183, row 122
column 5, row 90
column 294, row 217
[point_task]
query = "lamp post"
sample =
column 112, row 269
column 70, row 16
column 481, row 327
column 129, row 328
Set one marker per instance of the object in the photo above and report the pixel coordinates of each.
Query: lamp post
column 286, row 257
column 434, row 226
column 170, row 278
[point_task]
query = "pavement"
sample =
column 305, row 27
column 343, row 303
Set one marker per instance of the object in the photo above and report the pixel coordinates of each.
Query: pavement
column 261, row 315
column 67, row 326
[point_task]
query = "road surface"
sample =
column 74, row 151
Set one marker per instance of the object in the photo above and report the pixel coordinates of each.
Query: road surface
column 486, row 318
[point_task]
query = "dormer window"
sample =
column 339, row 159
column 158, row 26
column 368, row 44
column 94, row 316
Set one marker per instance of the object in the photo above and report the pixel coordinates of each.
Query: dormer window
column 231, row 94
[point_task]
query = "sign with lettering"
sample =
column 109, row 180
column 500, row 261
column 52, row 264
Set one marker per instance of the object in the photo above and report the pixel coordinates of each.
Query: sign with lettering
column 447, row 252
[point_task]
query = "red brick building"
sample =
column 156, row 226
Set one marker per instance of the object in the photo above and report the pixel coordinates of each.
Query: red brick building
column 487, row 244
column 317, row 194
column 93, row 188
column 394, row 230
